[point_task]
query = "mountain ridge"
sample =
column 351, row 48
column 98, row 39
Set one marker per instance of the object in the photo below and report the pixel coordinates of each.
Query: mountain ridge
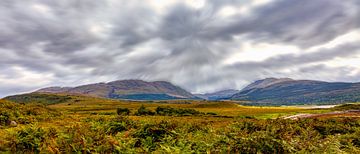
column 125, row 89
column 285, row 91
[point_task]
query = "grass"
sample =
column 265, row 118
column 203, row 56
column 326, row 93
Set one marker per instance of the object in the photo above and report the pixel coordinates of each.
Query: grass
column 85, row 105
column 91, row 125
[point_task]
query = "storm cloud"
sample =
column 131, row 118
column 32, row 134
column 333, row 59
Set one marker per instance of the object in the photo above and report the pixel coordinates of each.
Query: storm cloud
column 200, row 45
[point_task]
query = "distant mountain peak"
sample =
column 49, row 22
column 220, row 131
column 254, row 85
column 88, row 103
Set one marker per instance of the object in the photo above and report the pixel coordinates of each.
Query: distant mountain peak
column 266, row 82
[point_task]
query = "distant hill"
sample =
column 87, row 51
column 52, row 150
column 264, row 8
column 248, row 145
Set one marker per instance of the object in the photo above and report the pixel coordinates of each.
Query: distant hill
column 224, row 94
column 126, row 89
column 287, row 91
column 46, row 99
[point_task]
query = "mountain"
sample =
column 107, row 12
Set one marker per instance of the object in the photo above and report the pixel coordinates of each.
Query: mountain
column 287, row 91
column 224, row 94
column 265, row 83
column 126, row 89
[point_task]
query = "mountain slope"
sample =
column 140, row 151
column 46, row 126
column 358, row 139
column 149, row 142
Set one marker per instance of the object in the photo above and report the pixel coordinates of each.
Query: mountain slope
column 291, row 92
column 126, row 89
column 224, row 94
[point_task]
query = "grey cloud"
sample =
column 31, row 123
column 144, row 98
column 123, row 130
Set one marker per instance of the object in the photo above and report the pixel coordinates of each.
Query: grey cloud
column 347, row 50
column 184, row 45
column 304, row 23
column 62, row 34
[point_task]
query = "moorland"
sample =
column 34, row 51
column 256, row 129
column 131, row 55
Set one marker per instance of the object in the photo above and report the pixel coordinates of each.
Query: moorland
column 63, row 123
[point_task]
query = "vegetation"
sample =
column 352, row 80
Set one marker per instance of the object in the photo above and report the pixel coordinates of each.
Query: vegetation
column 144, row 111
column 93, row 125
column 24, row 114
column 122, row 111
column 348, row 107
column 169, row 111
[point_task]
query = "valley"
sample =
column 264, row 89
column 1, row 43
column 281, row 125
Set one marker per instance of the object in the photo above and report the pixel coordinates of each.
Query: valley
column 134, row 116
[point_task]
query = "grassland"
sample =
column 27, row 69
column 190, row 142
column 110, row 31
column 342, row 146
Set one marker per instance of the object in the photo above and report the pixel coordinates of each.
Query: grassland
column 81, row 124
column 87, row 105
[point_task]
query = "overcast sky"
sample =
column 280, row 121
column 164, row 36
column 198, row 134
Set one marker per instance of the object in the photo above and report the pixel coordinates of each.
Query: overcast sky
column 202, row 46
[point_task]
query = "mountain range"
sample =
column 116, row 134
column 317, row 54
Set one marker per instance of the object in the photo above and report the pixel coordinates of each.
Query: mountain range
column 287, row 91
column 269, row 91
column 126, row 89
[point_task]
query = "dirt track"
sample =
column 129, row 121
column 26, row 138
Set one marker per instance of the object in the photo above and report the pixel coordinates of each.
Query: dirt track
column 348, row 113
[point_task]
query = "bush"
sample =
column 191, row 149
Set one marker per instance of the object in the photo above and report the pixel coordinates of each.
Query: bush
column 4, row 118
column 150, row 135
column 122, row 111
column 30, row 139
column 211, row 113
column 169, row 111
column 144, row 111
column 119, row 124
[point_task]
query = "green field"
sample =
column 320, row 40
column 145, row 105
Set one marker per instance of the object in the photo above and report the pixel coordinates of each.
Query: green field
column 77, row 124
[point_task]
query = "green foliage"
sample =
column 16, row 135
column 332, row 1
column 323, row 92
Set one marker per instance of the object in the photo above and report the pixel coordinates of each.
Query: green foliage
column 144, row 111
column 211, row 113
column 4, row 118
column 149, row 136
column 24, row 113
column 121, row 134
column 169, row 111
column 122, row 111
column 119, row 124
column 168, row 130
column 30, row 139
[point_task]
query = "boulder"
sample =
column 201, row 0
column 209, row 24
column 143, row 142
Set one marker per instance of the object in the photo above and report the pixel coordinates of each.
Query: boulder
column 13, row 124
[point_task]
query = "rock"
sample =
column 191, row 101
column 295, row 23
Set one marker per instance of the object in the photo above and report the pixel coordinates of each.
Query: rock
column 13, row 124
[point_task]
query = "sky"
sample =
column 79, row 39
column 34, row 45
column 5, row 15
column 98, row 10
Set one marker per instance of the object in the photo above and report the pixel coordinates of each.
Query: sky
column 202, row 46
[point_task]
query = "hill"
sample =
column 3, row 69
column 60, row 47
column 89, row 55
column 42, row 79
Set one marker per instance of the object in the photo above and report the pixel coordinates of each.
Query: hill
column 46, row 99
column 273, row 91
column 126, row 89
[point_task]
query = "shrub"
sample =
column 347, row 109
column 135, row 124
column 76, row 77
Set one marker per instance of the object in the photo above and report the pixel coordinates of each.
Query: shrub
column 30, row 139
column 169, row 111
column 119, row 124
column 211, row 113
column 150, row 135
column 122, row 111
column 144, row 111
